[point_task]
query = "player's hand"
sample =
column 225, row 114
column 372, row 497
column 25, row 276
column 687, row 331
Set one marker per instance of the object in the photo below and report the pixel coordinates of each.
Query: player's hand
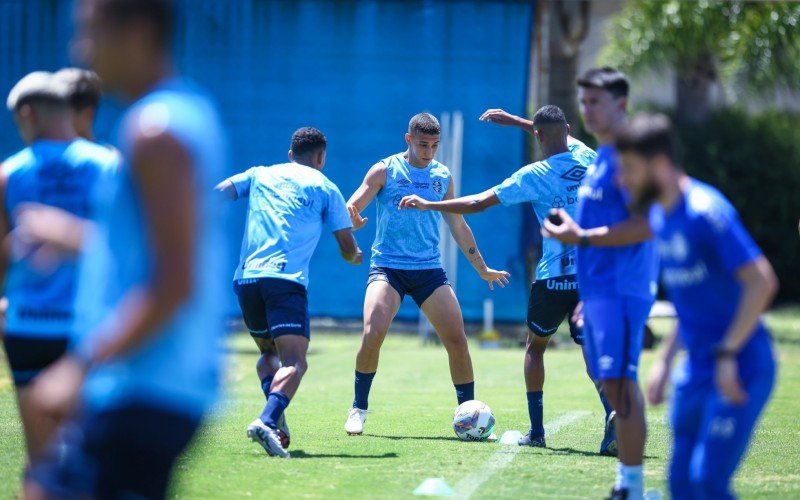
column 413, row 201
column 568, row 232
column 657, row 382
column 358, row 258
column 727, row 381
column 356, row 219
column 498, row 116
column 577, row 315
column 492, row 276
column 56, row 390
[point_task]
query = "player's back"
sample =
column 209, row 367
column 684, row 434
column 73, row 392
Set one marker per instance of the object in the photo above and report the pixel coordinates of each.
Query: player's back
column 288, row 205
column 61, row 174
column 179, row 367
column 628, row 271
column 409, row 239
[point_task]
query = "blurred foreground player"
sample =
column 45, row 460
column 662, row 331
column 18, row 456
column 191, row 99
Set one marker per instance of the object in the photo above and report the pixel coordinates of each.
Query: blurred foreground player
column 720, row 283
column 85, row 91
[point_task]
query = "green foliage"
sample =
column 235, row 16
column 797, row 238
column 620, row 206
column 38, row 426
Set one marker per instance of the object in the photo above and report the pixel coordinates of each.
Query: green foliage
column 754, row 161
column 754, row 46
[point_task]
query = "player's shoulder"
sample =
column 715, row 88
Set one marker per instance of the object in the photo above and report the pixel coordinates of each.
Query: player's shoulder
column 20, row 160
column 705, row 203
column 440, row 168
column 85, row 150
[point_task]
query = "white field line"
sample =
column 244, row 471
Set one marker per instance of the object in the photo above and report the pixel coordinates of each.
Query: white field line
column 503, row 457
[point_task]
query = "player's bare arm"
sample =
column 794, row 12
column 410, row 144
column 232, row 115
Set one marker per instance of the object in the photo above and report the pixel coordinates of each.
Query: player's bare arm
column 466, row 241
column 472, row 204
column 348, row 248
column 660, row 371
column 759, row 286
column 505, row 118
column 631, row 231
column 366, row 192
column 227, row 190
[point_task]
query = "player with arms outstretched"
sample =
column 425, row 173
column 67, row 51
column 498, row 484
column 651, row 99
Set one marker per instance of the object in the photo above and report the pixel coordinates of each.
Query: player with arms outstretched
column 406, row 260
column 288, row 206
column 720, row 283
column 552, row 182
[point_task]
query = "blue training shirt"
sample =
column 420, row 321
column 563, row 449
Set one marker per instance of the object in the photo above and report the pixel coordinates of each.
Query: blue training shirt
column 603, row 272
column 178, row 367
column 61, row 174
column 409, row 239
column 702, row 244
column 288, row 204
column 547, row 184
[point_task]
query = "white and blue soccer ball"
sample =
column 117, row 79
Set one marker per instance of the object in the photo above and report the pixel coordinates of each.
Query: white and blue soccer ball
column 473, row 421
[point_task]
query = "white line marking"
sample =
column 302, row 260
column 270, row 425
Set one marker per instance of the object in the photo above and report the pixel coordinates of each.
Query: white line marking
column 503, row 457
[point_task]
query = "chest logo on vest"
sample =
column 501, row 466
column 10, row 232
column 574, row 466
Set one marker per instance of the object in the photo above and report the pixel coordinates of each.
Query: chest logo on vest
column 404, row 183
column 437, row 186
column 575, row 174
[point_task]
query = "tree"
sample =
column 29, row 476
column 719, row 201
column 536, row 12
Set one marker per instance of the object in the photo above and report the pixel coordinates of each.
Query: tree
column 748, row 47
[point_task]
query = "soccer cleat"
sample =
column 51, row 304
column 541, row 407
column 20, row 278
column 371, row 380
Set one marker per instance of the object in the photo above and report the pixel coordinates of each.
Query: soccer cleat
column 619, row 494
column 532, row 441
column 609, row 445
column 267, row 437
column 354, row 425
column 283, row 431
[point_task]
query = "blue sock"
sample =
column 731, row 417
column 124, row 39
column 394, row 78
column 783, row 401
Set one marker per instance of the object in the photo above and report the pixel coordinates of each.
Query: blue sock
column 276, row 403
column 465, row 392
column 362, row 386
column 536, row 413
column 265, row 384
column 604, row 401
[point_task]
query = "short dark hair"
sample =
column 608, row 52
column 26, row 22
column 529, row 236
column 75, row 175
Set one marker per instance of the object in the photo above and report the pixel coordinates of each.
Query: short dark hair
column 649, row 135
column 160, row 14
column 85, row 89
column 606, row 78
column 424, row 123
column 308, row 140
column 549, row 115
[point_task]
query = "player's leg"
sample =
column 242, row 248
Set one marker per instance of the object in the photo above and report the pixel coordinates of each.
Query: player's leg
column 443, row 311
column 725, row 432
column 686, row 415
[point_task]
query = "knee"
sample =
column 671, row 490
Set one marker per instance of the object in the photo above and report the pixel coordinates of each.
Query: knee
column 536, row 349
column 613, row 393
column 456, row 342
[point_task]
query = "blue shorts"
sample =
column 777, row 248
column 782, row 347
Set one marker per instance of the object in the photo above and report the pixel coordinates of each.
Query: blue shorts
column 552, row 300
column 420, row 284
column 614, row 332
column 272, row 307
column 28, row 356
column 711, row 435
column 123, row 453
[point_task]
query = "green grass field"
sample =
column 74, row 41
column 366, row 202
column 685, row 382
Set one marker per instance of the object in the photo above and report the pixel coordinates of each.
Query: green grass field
column 409, row 438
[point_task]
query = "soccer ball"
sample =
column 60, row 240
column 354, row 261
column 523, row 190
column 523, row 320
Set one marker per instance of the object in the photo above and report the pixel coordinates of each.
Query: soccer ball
column 473, row 421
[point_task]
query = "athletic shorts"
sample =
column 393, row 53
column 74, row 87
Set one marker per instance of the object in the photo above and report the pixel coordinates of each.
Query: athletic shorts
column 614, row 333
column 127, row 452
column 550, row 301
column 29, row 356
column 272, row 307
column 711, row 435
column 419, row 284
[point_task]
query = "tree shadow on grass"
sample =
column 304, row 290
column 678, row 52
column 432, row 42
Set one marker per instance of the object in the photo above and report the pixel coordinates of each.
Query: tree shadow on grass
column 303, row 454
column 418, row 438
column 573, row 451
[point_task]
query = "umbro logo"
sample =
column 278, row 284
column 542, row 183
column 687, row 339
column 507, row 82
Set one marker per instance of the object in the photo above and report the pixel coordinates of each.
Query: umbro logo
column 575, row 174
column 404, row 183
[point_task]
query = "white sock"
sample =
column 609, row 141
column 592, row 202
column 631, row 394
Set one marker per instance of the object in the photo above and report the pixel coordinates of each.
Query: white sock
column 632, row 479
column 618, row 480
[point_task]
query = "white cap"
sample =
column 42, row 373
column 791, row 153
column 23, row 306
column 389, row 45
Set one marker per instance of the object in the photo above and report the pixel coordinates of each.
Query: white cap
column 39, row 85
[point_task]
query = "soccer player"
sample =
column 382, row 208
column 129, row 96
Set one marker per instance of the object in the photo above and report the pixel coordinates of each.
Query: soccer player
column 553, row 182
column 57, row 168
column 145, row 364
column 288, row 205
column 616, row 269
column 720, row 283
column 406, row 260
column 85, row 91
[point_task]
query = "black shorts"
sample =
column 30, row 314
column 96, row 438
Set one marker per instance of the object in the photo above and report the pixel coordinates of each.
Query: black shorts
column 272, row 307
column 28, row 356
column 127, row 452
column 550, row 301
column 420, row 284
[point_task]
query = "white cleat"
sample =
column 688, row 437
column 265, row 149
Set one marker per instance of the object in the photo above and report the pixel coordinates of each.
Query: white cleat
column 267, row 437
column 355, row 421
column 283, row 431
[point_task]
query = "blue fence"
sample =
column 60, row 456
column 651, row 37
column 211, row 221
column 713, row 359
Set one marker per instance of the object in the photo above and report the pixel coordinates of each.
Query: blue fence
column 358, row 70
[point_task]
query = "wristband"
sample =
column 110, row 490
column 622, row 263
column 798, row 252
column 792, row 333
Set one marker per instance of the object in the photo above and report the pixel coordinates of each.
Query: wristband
column 722, row 352
column 584, row 242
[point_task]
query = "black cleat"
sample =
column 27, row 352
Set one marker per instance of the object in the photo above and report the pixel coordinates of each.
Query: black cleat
column 532, row 441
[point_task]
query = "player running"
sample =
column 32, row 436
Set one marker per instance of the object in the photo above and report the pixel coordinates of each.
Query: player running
column 616, row 269
column 406, row 260
column 553, row 182
column 146, row 362
column 288, row 206
column 720, row 283
column 61, row 170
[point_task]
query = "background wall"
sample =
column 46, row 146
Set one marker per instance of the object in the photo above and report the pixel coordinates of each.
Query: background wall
column 357, row 70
